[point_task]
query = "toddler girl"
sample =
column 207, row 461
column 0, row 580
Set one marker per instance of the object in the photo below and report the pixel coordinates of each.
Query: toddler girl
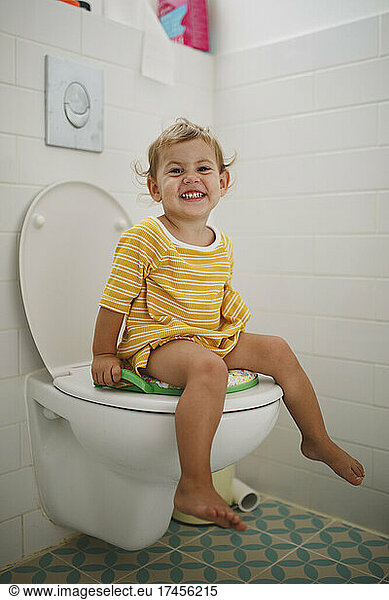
column 184, row 323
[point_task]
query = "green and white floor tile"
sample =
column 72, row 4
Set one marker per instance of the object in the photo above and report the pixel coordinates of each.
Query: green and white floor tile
column 282, row 544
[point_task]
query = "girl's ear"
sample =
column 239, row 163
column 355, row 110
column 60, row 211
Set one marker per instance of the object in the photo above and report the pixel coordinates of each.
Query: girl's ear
column 154, row 189
column 224, row 180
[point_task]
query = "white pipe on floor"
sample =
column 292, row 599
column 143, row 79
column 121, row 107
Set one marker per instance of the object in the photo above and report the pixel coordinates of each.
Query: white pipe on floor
column 245, row 497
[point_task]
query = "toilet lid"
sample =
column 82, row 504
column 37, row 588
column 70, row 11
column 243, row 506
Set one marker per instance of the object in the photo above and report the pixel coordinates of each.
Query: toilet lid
column 66, row 248
column 78, row 383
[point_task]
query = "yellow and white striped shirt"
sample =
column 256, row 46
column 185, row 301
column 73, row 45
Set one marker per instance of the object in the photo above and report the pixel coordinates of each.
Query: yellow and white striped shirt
column 171, row 290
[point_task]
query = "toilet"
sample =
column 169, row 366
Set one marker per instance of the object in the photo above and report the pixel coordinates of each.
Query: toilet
column 105, row 460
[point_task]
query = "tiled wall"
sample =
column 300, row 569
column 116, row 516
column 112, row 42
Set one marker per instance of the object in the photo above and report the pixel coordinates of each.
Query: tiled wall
column 309, row 217
column 136, row 108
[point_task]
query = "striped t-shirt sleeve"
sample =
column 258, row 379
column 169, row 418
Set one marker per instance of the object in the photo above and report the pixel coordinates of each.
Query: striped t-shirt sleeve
column 130, row 266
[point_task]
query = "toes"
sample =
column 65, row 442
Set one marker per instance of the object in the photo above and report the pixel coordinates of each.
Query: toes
column 236, row 523
column 212, row 514
column 228, row 519
column 355, row 478
column 361, row 470
column 221, row 518
column 358, row 469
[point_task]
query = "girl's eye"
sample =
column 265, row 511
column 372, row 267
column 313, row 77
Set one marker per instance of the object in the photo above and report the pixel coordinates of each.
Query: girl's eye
column 176, row 170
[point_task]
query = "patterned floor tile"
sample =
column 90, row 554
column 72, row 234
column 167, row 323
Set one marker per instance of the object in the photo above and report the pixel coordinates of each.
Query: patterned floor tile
column 179, row 533
column 302, row 567
column 361, row 578
column 46, row 568
column 104, row 562
column 243, row 555
column 267, row 552
column 354, row 547
column 177, row 567
column 286, row 521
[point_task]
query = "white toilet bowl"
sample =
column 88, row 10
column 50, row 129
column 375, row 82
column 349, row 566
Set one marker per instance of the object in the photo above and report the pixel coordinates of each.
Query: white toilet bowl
column 105, row 460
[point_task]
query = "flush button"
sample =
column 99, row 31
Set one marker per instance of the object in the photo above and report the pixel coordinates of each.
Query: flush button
column 77, row 104
column 74, row 100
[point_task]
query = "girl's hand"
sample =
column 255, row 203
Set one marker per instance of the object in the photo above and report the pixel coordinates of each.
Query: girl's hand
column 106, row 369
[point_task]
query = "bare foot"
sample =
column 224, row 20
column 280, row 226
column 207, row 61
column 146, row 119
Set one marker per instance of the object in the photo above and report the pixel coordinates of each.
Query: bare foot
column 337, row 459
column 205, row 503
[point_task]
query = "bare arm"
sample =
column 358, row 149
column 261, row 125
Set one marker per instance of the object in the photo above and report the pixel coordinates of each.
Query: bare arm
column 106, row 366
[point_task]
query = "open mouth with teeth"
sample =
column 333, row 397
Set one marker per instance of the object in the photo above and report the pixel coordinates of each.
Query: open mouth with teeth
column 192, row 195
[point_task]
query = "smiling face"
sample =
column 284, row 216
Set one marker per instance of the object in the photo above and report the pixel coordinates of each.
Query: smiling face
column 188, row 182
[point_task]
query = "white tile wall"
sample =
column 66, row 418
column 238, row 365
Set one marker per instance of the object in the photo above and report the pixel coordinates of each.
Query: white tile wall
column 381, row 387
column 380, row 470
column 11, row 541
column 276, row 176
column 136, row 109
column 17, row 493
column 355, row 213
column 353, row 84
column 383, row 212
column 352, row 170
column 296, row 329
column 384, row 34
column 110, row 41
column 301, row 134
column 40, row 532
column 274, row 254
column 8, row 256
column 9, row 448
column 357, row 340
column 336, row 497
column 7, row 52
column 383, row 123
column 14, row 200
column 348, row 380
column 20, row 111
column 367, row 425
column 265, row 100
column 9, row 364
column 8, row 165
column 262, row 474
column 311, row 295
column 12, row 406
column 309, row 218
column 355, row 255
column 42, row 21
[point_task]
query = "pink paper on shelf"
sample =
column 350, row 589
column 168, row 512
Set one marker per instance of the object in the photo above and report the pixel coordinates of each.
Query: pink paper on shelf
column 185, row 22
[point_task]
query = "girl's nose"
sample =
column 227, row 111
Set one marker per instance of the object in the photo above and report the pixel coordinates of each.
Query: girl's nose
column 191, row 177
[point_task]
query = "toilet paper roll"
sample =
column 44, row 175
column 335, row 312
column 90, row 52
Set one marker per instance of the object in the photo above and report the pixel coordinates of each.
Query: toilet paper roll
column 246, row 498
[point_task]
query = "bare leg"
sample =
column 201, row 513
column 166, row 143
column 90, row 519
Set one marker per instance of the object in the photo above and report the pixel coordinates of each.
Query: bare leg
column 271, row 355
column 199, row 409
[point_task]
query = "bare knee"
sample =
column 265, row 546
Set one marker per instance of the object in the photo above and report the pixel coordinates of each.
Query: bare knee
column 282, row 354
column 209, row 369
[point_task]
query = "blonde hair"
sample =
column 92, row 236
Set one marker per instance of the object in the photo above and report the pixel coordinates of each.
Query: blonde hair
column 182, row 130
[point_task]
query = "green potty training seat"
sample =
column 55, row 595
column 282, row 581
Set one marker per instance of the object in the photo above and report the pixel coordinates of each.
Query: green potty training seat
column 238, row 380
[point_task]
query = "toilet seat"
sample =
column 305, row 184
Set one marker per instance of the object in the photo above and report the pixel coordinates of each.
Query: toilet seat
column 78, row 383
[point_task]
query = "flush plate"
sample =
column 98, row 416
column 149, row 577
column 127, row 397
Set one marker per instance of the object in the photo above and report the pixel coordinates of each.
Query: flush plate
column 74, row 105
